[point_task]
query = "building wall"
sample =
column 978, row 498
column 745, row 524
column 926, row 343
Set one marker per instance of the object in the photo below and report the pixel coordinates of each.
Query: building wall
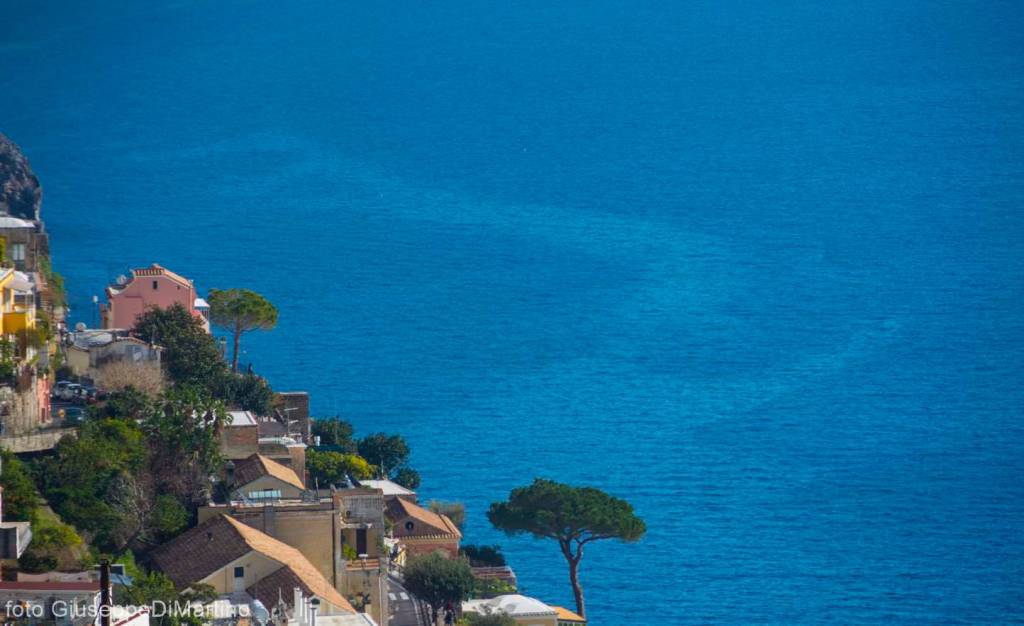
column 257, row 567
column 310, row 529
column 78, row 360
column 139, row 294
column 35, row 242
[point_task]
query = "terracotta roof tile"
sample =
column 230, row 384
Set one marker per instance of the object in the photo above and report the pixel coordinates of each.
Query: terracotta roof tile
column 429, row 523
column 257, row 466
column 567, row 615
column 158, row 270
column 201, row 551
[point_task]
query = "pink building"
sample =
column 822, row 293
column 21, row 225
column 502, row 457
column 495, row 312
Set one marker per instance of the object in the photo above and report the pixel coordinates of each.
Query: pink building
column 152, row 286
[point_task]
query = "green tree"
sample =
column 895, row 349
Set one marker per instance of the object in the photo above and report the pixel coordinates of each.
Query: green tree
column 438, row 580
column 329, row 468
column 572, row 516
column 250, row 392
column 80, row 477
column 483, row 556
column 387, row 452
column 335, row 434
column 240, row 311
column 20, row 497
column 191, row 356
column 408, row 478
column 153, row 587
column 183, row 432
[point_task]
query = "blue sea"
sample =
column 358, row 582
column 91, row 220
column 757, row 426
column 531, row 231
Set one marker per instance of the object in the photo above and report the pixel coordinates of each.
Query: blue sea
column 757, row 267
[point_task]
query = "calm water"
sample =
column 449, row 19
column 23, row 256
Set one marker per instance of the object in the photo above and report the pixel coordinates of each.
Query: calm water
column 757, row 267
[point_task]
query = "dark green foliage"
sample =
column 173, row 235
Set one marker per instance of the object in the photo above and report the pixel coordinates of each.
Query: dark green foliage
column 408, row 478
column 335, row 434
column 438, row 580
column 127, row 404
column 34, row 563
column 573, row 516
column 192, row 359
column 20, row 497
column 155, row 587
column 240, row 311
column 191, row 355
column 169, row 516
column 387, row 452
column 483, row 556
column 126, row 482
column 249, row 392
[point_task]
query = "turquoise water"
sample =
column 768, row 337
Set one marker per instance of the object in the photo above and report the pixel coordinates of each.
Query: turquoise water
column 756, row 267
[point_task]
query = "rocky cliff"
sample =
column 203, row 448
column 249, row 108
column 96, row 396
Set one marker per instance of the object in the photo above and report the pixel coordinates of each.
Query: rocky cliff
column 20, row 194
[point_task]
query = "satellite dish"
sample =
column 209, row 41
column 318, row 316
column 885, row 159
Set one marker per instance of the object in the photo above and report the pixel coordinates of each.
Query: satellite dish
column 122, row 279
column 80, row 326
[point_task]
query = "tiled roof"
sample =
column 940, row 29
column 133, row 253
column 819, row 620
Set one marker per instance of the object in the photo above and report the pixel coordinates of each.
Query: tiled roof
column 201, row 551
column 159, row 270
column 426, row 523
column 285, row 554
column 257, row 466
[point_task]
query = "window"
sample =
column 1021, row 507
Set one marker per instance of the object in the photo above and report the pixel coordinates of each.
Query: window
column 361, row 541
column 17, row 252
column 156, row 285
column 409, row 526
column 239, row 572
column 265, row 494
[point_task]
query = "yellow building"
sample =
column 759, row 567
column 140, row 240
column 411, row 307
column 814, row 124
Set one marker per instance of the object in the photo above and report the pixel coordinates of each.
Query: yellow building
column 17, row 302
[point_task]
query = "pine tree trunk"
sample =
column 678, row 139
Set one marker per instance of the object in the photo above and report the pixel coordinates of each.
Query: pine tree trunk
column 577, row 590
column 234, row 354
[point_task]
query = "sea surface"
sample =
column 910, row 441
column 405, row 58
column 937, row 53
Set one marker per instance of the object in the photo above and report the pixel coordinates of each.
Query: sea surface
column 757, row 267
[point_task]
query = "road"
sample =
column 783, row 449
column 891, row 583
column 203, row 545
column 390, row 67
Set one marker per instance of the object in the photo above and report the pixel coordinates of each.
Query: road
column 405, row 611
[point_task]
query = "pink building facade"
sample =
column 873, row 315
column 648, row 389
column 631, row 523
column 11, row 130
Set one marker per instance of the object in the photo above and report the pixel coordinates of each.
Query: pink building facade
column 152, row 286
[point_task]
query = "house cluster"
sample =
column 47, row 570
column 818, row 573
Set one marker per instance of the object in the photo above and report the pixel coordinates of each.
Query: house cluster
column 275, row 548
column 29, row 315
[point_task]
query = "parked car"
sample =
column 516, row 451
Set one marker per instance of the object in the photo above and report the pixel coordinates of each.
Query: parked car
column 69, row 392
column 87, row 394
column 73, row 416
column 58, row 388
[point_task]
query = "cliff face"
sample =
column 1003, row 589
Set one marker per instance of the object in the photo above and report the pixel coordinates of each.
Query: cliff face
column 20, row 194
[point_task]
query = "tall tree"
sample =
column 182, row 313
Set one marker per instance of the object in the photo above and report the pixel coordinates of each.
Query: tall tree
column 241, row 311
column 572, row 516
column 335, row 434
column 191, row 356
column 384, row 451
column 438, row 580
